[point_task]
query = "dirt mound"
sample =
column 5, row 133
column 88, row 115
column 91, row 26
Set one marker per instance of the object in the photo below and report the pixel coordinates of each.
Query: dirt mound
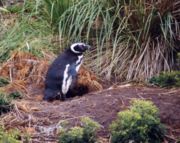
column 42, row 119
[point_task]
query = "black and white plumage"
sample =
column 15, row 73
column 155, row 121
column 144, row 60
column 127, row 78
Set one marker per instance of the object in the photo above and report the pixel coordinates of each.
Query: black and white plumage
column 62, row 74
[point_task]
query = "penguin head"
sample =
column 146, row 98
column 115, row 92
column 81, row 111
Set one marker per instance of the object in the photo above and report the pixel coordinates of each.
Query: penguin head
column 79, row 48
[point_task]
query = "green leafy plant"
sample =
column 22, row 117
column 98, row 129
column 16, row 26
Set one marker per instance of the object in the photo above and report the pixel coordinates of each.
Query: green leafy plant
column 6, row 99
column 85, row 134
column 9, row 137
column 138, row 124
column 74, row 135
column 166, row 79
column 3, row 81
column 5, row 104
column 90, row 128
column 15, row 95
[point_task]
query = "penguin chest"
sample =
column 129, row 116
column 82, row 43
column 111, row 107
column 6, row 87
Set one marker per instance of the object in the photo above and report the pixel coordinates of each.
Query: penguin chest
column 70, row 74
column 79, row 62
column 67, row 80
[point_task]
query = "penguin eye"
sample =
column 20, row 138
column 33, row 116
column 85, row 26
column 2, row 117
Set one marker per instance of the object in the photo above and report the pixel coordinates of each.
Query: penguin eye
column 80, row 48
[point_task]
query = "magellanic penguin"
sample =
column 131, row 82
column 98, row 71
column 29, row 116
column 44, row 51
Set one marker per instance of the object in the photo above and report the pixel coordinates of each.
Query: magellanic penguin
column 62, row 74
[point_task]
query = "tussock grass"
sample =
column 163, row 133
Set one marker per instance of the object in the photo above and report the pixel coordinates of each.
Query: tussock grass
column 134, row 39
column 27, row 32
column 54, row 9
column 29, row 35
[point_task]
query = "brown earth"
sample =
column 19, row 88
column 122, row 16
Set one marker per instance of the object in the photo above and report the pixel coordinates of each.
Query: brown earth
column 41, row 119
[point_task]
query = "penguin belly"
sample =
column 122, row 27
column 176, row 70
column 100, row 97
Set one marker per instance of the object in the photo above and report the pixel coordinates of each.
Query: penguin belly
column 67, row 80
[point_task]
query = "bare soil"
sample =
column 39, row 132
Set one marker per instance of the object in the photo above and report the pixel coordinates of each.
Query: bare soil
column 42, row 119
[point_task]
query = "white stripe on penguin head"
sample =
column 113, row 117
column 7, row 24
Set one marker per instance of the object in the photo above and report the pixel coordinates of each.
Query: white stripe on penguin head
column 74, row 45
column 67, row 80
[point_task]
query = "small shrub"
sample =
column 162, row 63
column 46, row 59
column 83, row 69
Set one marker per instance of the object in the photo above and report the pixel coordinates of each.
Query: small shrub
column 3, row 82
column 74, row 135
column 5, row 101
column 90, row 130
column 9, row 137
column 144, row 108
column 5, row 105
column 84, row 134
column 139, row 124
column 167, row 79
column 15, row 95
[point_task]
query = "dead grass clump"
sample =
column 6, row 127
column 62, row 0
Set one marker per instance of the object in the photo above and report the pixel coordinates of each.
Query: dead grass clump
column 25, row 67
column 89, row 79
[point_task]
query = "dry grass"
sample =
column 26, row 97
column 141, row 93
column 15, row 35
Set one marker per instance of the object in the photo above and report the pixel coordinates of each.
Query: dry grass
column 89, row 79
column 23, row 69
